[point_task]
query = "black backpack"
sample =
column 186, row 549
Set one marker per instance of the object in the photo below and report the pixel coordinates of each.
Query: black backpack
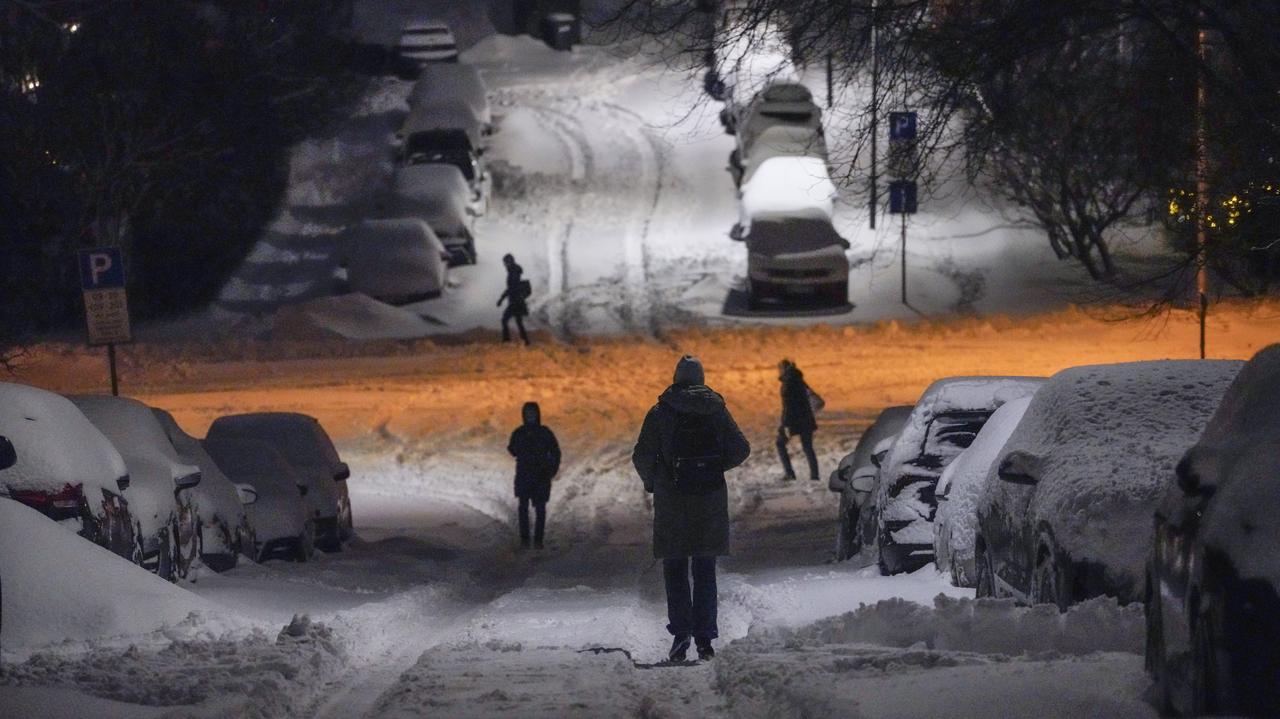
column 698, row 463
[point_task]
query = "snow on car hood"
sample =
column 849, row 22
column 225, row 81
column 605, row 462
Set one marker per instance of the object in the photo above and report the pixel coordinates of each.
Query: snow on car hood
column 1105, row 439
column 784, row 186
column 56, row 444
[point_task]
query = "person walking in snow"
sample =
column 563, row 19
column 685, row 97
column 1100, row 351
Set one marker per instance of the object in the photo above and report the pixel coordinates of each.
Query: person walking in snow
column 515, row 295
column 798, row 420
column 687, row 443
column 537, row 454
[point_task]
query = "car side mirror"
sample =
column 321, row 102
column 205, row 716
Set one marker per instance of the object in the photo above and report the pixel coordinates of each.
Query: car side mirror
column 343, row 473
column 187, row 481
column 1189, row 480
column 878, row 458
column 8, row 455
column 123, row 482
column 1019, row 468
column 247, row 493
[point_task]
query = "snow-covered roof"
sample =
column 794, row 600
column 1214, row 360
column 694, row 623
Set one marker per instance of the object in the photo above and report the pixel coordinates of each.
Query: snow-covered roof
column 56, row 444
column 788, row 186
column 961, row 482
column 432, row 25
column 1239, row 454
column 1102, row 441
column 300, row 438
column 394, row 258
column 433, row 192
column 442, row 84
column 785, row 236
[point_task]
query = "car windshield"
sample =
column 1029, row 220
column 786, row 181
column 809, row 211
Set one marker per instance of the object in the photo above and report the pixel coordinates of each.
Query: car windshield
column 460, row 159
column 949, row 435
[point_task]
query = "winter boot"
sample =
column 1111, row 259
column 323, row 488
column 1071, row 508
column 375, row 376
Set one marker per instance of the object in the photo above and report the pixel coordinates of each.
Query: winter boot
column 705, row 650
column 679, row 648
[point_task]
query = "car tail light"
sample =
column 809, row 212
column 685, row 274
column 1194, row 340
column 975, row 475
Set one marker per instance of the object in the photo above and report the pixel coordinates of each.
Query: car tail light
column 60, row 504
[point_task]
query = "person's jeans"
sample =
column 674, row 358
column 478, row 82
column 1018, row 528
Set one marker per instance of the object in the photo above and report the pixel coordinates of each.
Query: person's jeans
column 806, row 443
column 508, row 315
column 540, row 521
column 691, row 612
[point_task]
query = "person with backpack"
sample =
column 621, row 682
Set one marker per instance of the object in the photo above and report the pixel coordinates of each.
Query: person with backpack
column 799, row 403
column 537, row 454
column 516, row 294
column 687, row 443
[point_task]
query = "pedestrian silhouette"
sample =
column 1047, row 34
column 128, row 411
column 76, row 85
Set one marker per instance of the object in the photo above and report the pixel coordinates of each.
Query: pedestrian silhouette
column 798, row 406
column 687, row 443
column 537, row 454
column 516, row 295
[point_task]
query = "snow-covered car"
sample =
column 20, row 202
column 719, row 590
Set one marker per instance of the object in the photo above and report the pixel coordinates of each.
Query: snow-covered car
column 160, row 482
column 787, row 186
column 783, row 103
column 796, row 259
column 448, row 138
column 1213, row 580
column 439, row 195
column 1066, row 514
column 307, row 448
column 747, row 56
column 275, row 493
column 943, row 424
column 457, row 118
column 777, row 141
column 855, row 479
column 444, row 85
column 956, row 523
column 397, row 261
column 66, row 469
column 222, row 525
column 425, row 41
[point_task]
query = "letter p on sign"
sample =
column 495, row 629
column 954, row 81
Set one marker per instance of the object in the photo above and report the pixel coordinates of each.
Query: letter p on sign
column 101, row 268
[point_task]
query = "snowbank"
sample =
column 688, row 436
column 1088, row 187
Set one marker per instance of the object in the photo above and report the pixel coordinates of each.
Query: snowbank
column 354, row 316
column 1103, row 441
column 60, row 588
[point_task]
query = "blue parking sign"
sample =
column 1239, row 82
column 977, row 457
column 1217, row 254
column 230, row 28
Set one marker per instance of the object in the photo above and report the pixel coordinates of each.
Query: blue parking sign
column 101, row 268
column 902, row 197
column 902, row 126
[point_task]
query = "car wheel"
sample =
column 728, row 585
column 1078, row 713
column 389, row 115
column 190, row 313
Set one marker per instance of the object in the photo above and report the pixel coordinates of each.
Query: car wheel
column 954, row 564
column 164, row 562
column 844, row 537
column 986, row 573
column 1047, row 583
column 184, row 558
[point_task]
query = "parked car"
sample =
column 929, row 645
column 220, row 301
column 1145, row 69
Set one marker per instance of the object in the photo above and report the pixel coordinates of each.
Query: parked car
column 781, row 103
column 855, row 479
column 159, row 495
column 943, row 424
column 777, row 141
column 1066, row 514
column 308, row 449
column 452, row 118
column 450, row 137
column 223, row 531
column 1213, row 580
column 439, row 195
column 796, row 260
column 274, row 494
column 8, row 458
column 65, row 469
column 445, row 85
column 397, row 261
column 423, row 42
column 956, row 523
column 787, row 186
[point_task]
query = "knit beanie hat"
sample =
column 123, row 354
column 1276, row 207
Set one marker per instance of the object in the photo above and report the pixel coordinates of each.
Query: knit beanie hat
column 689, row 371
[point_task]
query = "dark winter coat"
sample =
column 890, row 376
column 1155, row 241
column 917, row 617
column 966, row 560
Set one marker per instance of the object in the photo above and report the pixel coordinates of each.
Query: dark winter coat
column 537, row 456
column 797, row 413
column 516, row 301
column 687, row 525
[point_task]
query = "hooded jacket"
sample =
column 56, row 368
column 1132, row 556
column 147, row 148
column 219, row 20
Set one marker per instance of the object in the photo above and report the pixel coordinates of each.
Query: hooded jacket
column 797, row 413
column 537, row 454
column 687, row 525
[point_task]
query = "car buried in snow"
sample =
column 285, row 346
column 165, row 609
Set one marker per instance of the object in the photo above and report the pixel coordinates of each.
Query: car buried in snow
column 959, row 487
column 438, row 194
column 943, row 423
column 423, row 42
column 448, row 136
column 396, row 261
column 65, row 469
column 1213, row 580
column 223, row 531
column 798, row 260
column 453, row 85
column 159, row 495
column 788, row 105
column 855, row 480
column 1065, row 514
column 305, row 445
column 273, row 494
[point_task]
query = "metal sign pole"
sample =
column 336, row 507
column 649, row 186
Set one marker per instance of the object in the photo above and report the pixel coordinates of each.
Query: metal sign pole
column 904, row 258
column 111, row 360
